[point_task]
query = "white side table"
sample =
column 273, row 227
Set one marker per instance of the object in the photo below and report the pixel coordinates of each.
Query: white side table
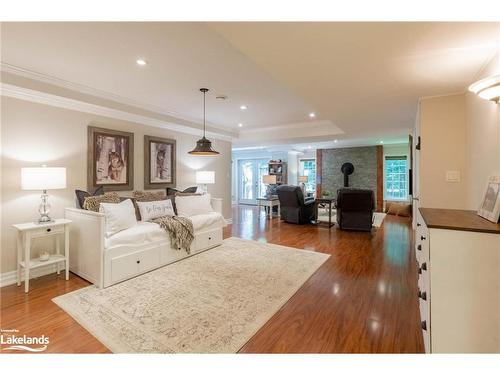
column 29, row 231
column 269, row 202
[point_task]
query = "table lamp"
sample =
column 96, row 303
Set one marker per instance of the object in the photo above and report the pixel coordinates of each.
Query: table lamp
column 204, row 178
column 269, row 179
column 43, row 178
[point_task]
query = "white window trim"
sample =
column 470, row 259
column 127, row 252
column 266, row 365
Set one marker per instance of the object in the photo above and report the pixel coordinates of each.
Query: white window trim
column 386, row 198
column 299, row 169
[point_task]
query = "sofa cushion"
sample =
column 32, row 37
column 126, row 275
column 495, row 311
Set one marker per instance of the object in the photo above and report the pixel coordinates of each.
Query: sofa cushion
column 173, row 191
column 81, row 195
column 155, row 209
column 143, row 233
column 119, row 216
column 212, row 220
column 148, row 196
column 92, row 203
column 193, row 205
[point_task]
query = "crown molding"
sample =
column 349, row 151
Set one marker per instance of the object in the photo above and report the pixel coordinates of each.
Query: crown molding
column 295, row 125
column 34, row 96
column 441, row 95
column 29, row 74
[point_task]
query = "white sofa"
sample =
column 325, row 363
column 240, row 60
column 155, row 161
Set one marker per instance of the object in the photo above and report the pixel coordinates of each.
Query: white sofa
column 131, row 252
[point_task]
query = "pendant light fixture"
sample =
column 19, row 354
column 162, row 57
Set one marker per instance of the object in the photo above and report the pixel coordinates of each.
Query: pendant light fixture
column 203, row 145
column 488, row 88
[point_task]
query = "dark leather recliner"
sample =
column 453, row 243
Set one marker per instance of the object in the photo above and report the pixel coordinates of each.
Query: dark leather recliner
column 294, row 208
column 355, row 209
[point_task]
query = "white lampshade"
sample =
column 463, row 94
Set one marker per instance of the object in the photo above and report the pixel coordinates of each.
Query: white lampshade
column 269, row 179
column 43, row 178
column 205, row 177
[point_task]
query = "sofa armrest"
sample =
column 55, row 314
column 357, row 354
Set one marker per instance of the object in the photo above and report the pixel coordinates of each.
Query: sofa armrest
column 217, row 204
column 308, row 202
column 87, row 231
column 78, row 211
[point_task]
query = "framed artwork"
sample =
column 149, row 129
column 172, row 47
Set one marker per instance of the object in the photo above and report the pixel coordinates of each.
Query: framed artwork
column 159, row 162
column 110, row 159
column 490, row 206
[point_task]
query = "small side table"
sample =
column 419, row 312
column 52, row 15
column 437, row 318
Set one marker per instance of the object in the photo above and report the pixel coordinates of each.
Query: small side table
column 269, row 202
column 29, row 231
column 331, row 204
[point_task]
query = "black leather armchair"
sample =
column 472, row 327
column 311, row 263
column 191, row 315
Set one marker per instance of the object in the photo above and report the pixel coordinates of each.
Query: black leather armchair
column 355, row 209
column 294, row 208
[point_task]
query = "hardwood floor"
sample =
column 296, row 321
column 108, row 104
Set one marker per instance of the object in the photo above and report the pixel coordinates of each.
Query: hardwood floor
column 363, row 299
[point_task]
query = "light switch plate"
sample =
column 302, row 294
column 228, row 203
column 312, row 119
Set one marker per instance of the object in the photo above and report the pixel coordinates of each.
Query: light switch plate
column 452, row 176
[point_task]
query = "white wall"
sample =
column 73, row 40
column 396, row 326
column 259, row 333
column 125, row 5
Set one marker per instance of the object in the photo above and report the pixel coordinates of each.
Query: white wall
column 459, row 132
column 34, row 134
column 291, row 157
column 443, row 148
column 293, row 167
column 251, row 154
column 483, row 140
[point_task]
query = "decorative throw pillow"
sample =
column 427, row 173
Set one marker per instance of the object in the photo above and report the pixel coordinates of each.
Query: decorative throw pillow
column 149, row 196
column 195, row 204
column 173, row 191
column 119, row 216
column 399, row 209
column 92, row 203
column 182, row 194
column 155, row 209
column 81, row 195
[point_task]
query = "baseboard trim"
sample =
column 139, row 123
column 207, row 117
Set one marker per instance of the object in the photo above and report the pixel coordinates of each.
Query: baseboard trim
column 9, row 278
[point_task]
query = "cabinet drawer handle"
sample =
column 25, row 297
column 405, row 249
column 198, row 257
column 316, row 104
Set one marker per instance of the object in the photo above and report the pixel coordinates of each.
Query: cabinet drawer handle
column 48, row 229
column 419, row 247
column 209, row 238
column 422, row 295
column 419, row 270
column 138, row 261
column 424, row 325
column 424, row 266
column 419, row 225
column 422, row 238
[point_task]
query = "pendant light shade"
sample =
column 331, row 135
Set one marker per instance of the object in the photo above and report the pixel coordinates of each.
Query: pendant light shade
column 203, row 145
column 487, row 88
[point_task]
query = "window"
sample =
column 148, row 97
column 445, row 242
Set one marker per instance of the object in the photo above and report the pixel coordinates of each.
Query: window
column 396, row 178
column 307, row 167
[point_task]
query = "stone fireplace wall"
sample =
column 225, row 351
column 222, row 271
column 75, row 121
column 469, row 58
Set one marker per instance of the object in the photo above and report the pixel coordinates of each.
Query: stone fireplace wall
column 367, row 169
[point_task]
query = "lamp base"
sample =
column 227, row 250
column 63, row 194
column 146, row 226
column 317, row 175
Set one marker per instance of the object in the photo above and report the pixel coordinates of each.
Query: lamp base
column 44, row 220
column 44, row 209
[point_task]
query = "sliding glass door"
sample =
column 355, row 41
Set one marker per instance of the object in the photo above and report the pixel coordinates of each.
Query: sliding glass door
column 250, row 186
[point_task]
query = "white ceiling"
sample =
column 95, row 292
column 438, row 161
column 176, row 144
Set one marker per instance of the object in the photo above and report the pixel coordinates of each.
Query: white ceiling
column 363, row 80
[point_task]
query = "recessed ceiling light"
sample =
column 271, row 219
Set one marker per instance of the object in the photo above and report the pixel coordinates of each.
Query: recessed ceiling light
column 335, row 140
column 312, row 115
column 309, row 146
column 240, row 125
column 243, row 107
column 381, row 142
column 141, row 62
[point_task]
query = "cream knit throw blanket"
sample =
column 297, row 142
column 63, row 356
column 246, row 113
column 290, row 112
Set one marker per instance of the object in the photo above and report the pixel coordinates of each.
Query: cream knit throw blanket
column 180, row 230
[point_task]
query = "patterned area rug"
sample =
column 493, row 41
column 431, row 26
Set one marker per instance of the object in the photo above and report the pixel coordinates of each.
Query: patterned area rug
column 213, row 302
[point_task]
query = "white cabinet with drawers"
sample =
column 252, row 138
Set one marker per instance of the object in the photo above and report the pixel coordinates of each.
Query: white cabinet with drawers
column 458, row 260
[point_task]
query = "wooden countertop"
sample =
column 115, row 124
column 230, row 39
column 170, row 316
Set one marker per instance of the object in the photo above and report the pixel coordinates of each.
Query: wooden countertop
column 458, row 220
